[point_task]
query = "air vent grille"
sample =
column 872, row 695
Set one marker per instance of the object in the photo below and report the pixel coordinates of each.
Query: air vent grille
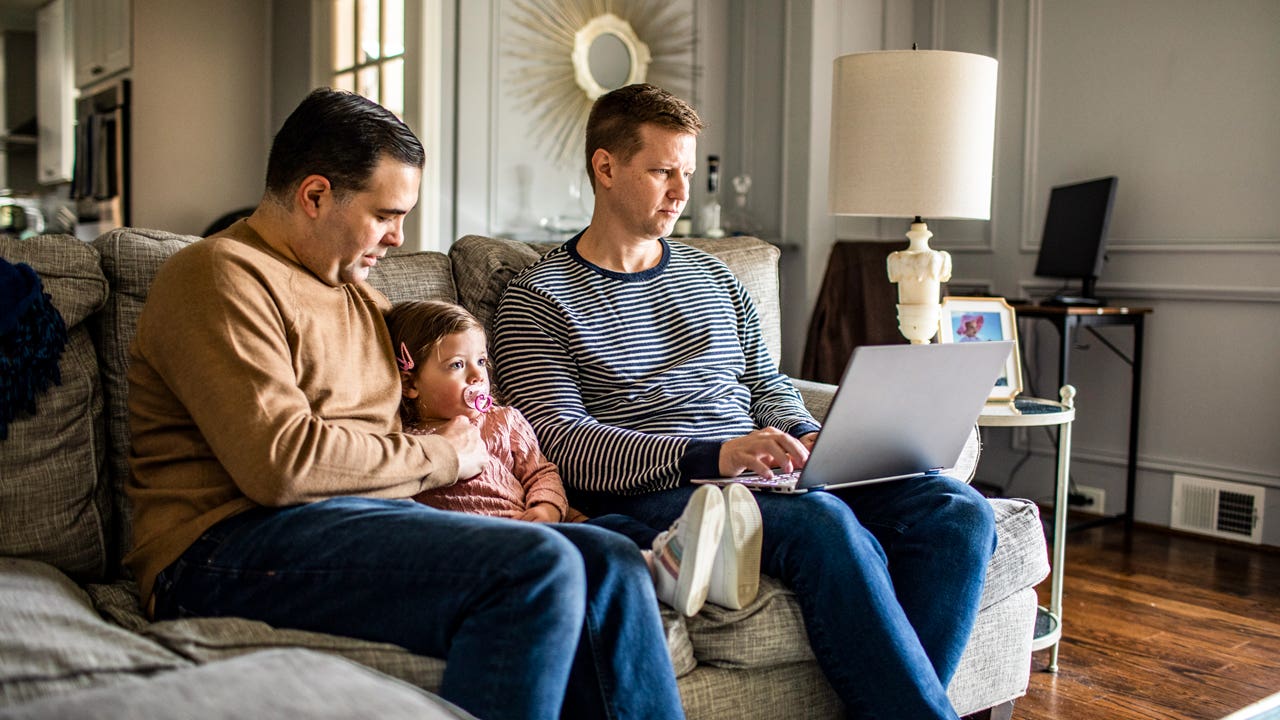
column 1217, row 507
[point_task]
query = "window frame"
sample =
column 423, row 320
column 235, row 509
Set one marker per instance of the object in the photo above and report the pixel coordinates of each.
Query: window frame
column 425, row 108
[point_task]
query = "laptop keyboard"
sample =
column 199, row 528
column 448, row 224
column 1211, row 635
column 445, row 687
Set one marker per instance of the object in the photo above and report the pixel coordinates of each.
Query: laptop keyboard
column 778, row 480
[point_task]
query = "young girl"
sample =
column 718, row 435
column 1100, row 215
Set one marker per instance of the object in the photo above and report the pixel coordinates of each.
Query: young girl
column 443, row 359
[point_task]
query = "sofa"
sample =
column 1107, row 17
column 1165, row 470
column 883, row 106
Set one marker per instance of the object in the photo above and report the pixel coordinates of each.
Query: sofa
column 74, row 640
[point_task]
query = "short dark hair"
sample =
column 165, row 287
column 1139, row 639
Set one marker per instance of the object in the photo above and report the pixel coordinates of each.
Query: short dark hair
column 616, row 117
column 341, row 136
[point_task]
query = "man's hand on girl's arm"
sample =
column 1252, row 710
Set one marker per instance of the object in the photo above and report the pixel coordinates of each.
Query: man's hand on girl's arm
column 465, row 439
column 541, row 512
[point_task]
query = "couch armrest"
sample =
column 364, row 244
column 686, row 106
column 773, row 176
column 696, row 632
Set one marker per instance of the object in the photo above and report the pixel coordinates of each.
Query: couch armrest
column 817, row 396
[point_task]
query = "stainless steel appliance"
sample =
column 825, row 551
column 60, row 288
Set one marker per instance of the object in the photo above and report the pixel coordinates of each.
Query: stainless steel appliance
column 20, row 215
column 100, row 181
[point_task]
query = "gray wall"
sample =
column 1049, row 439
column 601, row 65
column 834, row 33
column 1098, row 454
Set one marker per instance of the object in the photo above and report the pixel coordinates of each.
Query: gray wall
column 200, row 121
column 508, row 178
column 1178, row 99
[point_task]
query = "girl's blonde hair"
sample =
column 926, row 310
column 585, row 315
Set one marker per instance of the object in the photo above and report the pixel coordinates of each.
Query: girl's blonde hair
column 418, row 326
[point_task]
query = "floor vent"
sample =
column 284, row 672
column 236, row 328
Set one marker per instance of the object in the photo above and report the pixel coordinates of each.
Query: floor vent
column 1218, row 508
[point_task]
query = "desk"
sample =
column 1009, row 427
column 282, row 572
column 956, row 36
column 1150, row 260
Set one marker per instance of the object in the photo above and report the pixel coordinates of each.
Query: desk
column 1067, row 320
column 1027, row 412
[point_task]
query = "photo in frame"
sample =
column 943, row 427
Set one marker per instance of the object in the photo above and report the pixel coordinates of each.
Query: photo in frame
column 985, row 319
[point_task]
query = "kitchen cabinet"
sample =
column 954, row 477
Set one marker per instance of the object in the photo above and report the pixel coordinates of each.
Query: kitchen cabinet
column 17, row 111
column 54, row 105
column 103, row 35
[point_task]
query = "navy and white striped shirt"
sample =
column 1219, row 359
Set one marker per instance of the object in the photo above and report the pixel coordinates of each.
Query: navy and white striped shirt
column 633, row 380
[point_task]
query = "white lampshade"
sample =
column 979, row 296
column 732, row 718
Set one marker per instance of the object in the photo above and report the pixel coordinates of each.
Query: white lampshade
column 912, row 134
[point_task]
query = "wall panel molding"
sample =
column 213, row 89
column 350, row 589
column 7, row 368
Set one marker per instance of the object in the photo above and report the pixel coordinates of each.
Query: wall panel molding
column 993, row 223
column 1234, row 246
column 495, row 48
column 985, row 285
column 1031, row 119
column 1149, row 463
column 1182, row 293
column 1174, row 246
column 938, row 23
column 1184, row 249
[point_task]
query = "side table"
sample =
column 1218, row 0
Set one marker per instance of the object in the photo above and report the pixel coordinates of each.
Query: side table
column 1068, row 321
column 1026, row 412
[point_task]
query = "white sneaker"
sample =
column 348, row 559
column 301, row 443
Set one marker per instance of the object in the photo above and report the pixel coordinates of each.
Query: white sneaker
column 684, row 554
column 735, row 576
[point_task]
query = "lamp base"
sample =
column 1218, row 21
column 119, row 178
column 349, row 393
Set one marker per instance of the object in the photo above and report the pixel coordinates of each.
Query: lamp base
column 918, row 323
column 919, row 272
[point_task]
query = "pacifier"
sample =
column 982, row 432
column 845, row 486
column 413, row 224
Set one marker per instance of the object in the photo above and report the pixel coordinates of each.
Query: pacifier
column 476, row 398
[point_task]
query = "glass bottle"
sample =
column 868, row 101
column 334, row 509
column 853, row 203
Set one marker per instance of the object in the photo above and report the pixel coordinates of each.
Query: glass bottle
column 738, row 220
column 711, row 209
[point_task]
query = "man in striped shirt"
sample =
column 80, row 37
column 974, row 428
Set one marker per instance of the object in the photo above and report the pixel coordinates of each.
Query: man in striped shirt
column 641, row 364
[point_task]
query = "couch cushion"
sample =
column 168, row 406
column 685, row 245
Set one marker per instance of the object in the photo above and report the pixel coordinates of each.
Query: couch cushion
column 275, row 684
column 52, row 641
column 54, row 499
column 68, row 270
column 482, row 267
column 679, row 645
column 1021, row 559
column 210, row 639
column 768, row 631
column 205, row 640
column 778, row 692
column 414, row 276
column 755, row 263
column 130, row 259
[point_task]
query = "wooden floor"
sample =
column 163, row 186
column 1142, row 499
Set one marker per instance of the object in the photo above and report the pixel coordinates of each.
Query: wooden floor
column 1165, row 626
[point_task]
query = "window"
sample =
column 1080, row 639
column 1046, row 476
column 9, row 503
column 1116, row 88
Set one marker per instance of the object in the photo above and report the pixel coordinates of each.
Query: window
column 367, row 51
column 391, row 51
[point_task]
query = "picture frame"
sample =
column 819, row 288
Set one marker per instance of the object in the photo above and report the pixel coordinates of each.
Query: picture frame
column 985, row 319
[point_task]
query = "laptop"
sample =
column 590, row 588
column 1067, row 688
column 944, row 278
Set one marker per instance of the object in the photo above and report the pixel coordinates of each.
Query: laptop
column 901, row 411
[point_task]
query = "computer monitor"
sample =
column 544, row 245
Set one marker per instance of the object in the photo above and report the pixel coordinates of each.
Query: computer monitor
column 1073, row 246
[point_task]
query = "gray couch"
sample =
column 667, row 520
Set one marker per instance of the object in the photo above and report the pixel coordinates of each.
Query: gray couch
column 74, row 641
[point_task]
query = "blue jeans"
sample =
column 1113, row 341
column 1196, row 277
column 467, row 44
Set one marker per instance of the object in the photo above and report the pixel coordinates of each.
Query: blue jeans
column 529, row 617
column 888, row 577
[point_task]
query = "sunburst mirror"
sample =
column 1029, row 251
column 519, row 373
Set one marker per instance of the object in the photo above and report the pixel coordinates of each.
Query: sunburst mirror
column 570, row 52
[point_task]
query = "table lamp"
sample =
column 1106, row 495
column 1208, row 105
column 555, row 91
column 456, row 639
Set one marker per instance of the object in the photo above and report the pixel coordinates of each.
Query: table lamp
column 912, row 135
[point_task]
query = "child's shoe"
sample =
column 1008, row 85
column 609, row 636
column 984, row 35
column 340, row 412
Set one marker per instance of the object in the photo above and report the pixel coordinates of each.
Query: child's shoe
column 684, row 554
column 735, row 577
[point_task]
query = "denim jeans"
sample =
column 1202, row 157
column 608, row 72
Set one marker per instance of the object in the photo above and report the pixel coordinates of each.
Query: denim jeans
column 888, row 577
column 528, row 617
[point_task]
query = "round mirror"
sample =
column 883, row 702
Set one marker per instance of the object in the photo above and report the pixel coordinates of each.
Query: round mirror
column 609, row 61
column 608, row 55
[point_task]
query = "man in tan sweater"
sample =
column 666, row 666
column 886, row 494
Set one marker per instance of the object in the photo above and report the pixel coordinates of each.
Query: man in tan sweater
column 270, row 473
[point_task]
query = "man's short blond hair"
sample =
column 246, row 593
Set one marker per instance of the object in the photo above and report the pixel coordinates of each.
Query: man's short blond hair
column 616, row 118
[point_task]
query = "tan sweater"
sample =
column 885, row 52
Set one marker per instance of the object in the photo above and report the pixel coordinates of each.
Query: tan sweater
column 515, row 477
column 253, row 382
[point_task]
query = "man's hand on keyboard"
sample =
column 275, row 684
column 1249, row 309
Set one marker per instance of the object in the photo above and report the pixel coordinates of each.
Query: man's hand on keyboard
column 761, row 451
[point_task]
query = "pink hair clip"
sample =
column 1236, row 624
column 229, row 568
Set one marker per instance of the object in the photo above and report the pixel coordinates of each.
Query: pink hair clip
column 405, row 361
